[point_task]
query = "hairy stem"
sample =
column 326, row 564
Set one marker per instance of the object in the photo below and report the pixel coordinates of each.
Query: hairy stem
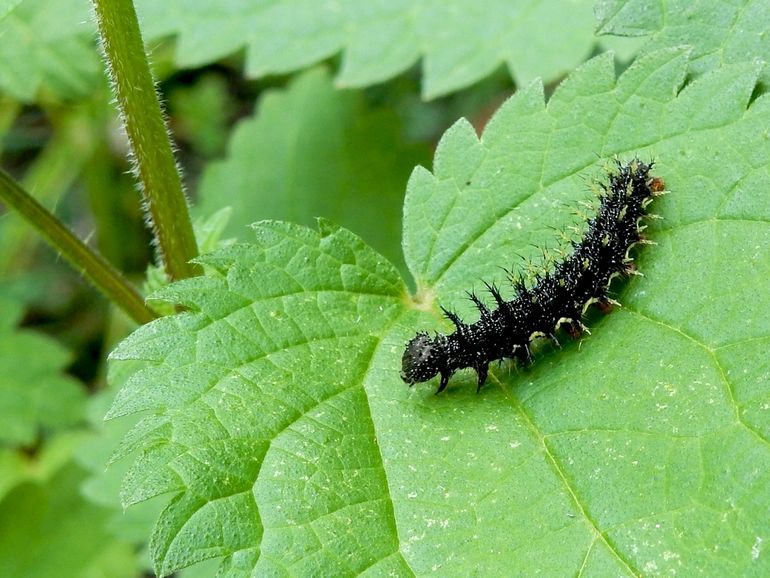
column 103, row 275
column 148, row 138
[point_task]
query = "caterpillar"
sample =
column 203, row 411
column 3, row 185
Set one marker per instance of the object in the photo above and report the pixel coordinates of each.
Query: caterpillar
column 559, row 297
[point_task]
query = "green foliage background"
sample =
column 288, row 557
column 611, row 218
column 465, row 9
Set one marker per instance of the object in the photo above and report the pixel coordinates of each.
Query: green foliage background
column 263, row 430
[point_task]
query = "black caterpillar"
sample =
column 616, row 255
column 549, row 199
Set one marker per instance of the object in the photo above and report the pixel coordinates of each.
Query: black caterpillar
column 556, row 298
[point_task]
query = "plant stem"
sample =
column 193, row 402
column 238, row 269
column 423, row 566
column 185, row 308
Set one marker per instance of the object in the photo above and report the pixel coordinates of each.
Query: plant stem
column 103, row 275
column 148, row 138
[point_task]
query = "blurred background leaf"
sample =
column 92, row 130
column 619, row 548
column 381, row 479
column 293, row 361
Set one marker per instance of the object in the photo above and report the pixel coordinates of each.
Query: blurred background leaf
column 460, row 43
column 47, row 45
column 322, row 152
column 34, row 392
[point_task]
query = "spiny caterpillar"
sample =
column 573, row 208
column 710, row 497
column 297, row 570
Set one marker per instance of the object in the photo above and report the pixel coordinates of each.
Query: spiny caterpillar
column 558, row 297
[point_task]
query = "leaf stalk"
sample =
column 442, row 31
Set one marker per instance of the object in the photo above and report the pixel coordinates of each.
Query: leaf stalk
column 103, row 275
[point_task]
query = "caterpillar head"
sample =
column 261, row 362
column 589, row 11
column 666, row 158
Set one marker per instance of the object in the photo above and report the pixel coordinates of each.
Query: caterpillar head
column 421, row 359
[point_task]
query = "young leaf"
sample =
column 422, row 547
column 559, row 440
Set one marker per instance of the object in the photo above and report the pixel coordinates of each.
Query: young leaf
column 291, row 447
column 459, row 42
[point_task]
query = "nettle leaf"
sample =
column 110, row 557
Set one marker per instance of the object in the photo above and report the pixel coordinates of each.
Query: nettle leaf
column 34, row 391
column 291, row 447
column 459, row 42
column 720, row 31
column 298, row 308
column 47, row 43
column 322, row 137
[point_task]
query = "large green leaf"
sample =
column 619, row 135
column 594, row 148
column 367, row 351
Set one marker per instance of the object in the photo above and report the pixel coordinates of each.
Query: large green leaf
column 47, row 43
column 306, row 303
column 321, row 152
column 279, row 424
column 720, row 31
column 459, row 42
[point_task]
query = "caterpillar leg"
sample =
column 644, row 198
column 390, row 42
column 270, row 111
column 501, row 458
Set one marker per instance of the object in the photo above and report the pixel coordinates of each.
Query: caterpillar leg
column 575, row 329
column 482, row 373
column 443, row 383
column 523, row 355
